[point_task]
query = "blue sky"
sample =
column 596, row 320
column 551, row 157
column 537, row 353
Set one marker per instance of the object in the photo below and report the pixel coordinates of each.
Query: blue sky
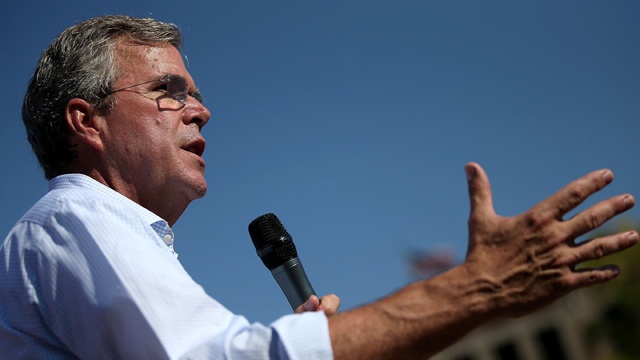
column 352, row 121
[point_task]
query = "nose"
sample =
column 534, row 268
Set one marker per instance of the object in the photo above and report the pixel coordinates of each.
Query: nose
column 196, row 113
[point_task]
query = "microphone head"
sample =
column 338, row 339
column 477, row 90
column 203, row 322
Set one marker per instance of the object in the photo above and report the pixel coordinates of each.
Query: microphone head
column 273, row 243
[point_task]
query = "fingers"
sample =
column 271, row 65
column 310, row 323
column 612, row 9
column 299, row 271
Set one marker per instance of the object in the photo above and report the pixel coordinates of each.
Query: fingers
column 534, row 252
column 588, row 277
column 598, row 248
column 551, row 211
column 312, row 304
column 479, row 191
column 598, row 214
column 572, row 195
column 328, row 303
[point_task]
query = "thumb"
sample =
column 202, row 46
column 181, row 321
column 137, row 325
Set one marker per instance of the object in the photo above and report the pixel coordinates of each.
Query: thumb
column 312, row 304
column 479, row 192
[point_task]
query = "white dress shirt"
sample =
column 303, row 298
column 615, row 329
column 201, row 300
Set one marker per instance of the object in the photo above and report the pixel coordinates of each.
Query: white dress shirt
column 88, row 273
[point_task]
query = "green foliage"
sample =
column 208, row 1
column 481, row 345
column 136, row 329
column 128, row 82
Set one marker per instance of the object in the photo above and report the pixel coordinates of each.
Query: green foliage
column 619, row 316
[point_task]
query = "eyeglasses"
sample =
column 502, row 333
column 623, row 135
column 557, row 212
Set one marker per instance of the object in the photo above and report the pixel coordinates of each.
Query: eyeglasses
column 174, row 88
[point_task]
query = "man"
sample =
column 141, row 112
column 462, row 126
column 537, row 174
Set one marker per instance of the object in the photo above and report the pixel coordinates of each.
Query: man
column 115, row 120
column 88, row 272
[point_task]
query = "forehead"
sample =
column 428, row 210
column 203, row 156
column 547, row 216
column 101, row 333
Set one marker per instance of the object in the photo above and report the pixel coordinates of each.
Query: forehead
column 137, row 62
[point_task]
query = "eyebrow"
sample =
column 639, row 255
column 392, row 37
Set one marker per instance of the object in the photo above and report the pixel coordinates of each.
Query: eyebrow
column 195, row 93
column 170, row 75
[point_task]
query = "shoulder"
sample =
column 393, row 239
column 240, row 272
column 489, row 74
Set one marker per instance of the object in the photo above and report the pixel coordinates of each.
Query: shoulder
column 78, row 207
column 76, row 196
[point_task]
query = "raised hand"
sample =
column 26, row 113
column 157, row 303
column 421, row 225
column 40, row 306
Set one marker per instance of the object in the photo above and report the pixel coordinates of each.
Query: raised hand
column 528, row 261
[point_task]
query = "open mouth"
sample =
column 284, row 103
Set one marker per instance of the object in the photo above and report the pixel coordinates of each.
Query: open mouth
column 196, row 147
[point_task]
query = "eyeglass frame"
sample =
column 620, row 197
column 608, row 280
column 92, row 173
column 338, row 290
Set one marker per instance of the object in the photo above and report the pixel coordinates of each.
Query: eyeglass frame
column 180, row 96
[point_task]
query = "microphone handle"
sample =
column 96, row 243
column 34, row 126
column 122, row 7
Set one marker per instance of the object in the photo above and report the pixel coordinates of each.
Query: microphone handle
column 294, row 282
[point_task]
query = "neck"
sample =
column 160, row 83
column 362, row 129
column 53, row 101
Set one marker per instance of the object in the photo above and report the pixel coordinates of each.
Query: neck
column 162, row 203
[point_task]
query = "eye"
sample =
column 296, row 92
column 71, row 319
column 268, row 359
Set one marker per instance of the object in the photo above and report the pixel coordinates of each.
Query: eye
column 162, row 86
column 181, row 97
column 198, row 96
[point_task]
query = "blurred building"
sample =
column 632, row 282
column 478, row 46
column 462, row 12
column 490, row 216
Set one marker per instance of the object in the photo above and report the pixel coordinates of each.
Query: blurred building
column 557, row 332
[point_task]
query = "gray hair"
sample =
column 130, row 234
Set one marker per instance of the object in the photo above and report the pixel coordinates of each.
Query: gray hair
column 80, row 63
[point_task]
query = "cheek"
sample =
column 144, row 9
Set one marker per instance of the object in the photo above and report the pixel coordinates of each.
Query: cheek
column 149, row 136
column 140, row 150
column 142, row 136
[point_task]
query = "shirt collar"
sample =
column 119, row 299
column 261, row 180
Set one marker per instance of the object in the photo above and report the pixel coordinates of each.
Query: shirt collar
column 159, row 225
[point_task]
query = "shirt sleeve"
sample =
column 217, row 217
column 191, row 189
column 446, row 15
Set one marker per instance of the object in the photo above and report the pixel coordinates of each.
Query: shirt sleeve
column 108, row 287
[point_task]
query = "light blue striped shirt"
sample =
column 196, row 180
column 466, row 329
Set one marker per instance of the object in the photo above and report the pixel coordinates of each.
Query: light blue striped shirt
column 88, row 273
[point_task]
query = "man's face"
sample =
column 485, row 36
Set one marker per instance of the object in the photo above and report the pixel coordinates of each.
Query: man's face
column 153, row 154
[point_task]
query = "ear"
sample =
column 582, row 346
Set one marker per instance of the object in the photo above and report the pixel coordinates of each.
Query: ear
column 84, row 123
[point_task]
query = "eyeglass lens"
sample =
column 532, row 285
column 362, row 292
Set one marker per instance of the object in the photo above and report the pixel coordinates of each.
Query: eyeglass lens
column 177, row 90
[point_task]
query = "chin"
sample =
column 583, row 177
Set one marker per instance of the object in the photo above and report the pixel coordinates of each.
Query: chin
column 194, row 185
column 200, row 187
column 201, row 190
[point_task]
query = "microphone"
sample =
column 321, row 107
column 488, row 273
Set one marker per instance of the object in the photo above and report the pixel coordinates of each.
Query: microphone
column 275, row 248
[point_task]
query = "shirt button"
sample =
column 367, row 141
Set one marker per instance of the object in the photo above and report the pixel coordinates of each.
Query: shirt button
column 167, row 239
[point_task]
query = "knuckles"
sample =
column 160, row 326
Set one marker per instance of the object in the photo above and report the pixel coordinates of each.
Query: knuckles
column 537, row 220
